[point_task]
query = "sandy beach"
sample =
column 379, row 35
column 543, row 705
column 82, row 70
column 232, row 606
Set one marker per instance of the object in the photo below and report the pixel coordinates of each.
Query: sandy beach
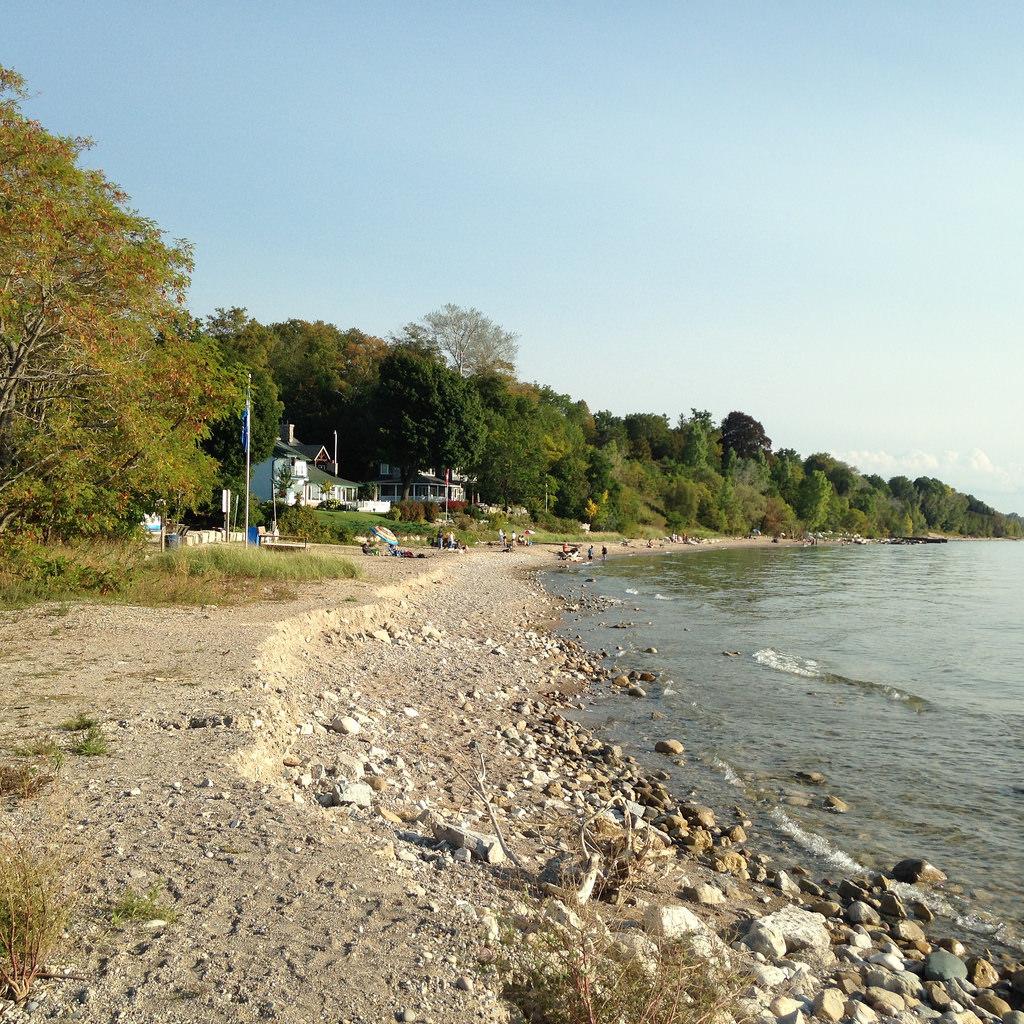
column 296, row 780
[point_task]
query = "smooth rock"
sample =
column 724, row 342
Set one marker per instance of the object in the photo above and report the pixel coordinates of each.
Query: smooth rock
column 988, row 1000
column 669, row 747
column 707, row 895
column 859, row 912
column 941, row 965
column 800, row 929
column 918, row 871
column 346, row 726
column 766, row 940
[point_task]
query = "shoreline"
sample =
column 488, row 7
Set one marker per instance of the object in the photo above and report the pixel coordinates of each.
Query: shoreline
column 301, row 771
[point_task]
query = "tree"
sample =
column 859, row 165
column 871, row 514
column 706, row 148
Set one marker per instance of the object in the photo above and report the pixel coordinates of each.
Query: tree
column 106, row 387
column 813, row 499
column 244, row 346
column 426, row 415
column 743, row 435
column 470, row 341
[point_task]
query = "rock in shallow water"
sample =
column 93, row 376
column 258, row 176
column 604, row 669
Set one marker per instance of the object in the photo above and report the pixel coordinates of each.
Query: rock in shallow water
column 918, row 871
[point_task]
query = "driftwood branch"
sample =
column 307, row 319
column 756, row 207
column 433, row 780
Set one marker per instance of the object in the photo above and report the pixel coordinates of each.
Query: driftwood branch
column 479, row 787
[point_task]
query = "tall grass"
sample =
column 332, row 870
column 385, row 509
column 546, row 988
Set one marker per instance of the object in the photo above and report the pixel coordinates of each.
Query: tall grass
column 231, row 561
column 127, row 573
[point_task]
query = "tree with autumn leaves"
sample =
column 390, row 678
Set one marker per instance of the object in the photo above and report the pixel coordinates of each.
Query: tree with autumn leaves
column 107, row 384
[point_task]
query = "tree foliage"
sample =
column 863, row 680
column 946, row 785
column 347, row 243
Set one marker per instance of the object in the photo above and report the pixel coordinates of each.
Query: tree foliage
column 106, row 386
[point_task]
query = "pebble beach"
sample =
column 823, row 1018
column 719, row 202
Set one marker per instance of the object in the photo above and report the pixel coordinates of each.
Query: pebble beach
column 302, row 781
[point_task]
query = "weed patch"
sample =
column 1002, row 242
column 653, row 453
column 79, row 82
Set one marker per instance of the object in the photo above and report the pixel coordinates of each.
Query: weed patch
column 78, row 724
column 92, row 743
column 147, row 906
column 22, row 780
column 36, row 901
column 567, row 968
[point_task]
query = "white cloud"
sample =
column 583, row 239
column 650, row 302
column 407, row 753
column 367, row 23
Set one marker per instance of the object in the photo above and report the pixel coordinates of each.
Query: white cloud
column 974, row 470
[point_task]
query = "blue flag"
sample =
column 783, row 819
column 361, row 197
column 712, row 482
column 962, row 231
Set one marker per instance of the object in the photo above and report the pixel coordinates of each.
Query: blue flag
column 245, row 426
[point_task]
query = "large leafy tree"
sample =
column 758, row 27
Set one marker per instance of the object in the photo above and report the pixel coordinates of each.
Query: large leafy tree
column 814, row 497
column 244, row 346
column 426, row 415
column 326, row 378
column 471, row 342
column 106, row 387
column 511, row 464
column 743, row 435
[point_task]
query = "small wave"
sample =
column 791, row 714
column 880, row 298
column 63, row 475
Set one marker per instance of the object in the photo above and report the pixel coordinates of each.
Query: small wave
column 818, row 845
column 807, row 668
column 662, row 597
column 630, row 590
column 729, row 773
column 788, row 663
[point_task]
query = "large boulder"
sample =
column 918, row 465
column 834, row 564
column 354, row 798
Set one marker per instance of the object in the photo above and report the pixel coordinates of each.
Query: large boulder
column 766, row 940
column 941, row 965
column 801, row 930
column 676, row 922
column 918, row 872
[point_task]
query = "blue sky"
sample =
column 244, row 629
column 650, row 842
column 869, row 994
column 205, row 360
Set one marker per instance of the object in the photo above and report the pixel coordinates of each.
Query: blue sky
column 811, row 212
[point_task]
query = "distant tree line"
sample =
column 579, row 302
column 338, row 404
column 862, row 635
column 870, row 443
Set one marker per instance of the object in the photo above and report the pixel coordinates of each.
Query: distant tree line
column 114, row 400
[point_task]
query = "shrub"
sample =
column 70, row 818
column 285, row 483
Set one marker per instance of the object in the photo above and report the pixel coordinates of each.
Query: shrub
column 36, row 900
column 431, row 510
column 574, row 972
column 300, row 521
column 457, row 508
column 410, row 511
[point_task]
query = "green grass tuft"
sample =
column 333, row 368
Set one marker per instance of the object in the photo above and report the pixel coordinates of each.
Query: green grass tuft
column 79, row 723
column 147, row 906
column 92, row 744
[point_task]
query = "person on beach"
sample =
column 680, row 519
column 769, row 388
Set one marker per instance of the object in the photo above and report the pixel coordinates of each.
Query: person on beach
column 590, row 553
column 604, row 552
column 501, row 536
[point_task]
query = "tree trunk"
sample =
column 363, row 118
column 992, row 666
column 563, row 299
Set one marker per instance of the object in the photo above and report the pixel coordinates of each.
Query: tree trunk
column 407, row 476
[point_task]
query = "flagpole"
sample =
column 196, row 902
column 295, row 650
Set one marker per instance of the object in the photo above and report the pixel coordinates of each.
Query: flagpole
column 248, row 433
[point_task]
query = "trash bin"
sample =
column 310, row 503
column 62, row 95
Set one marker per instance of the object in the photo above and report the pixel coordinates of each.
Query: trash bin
column 254, row 535
column 172, row 541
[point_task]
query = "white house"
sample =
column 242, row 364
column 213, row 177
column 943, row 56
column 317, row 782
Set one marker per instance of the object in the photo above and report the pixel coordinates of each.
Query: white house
column 426, row 485
column 294, row 473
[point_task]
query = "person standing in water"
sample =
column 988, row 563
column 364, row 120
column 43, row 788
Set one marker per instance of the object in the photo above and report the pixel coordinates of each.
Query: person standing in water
column 604, row 552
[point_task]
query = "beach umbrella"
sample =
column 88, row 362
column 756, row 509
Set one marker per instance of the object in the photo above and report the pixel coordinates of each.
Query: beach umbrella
column 384, row 534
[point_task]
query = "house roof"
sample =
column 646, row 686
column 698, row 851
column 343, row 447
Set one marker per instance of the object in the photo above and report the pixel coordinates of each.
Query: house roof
column 313, row 472
column 312, row 451
column 318, row 476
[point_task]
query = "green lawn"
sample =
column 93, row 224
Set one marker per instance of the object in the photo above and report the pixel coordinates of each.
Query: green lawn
column 362, row 522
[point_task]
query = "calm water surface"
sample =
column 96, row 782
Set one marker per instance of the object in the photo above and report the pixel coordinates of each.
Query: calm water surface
column 896, row 671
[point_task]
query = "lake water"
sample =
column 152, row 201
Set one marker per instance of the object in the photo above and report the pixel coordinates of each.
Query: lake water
column 898, row 672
